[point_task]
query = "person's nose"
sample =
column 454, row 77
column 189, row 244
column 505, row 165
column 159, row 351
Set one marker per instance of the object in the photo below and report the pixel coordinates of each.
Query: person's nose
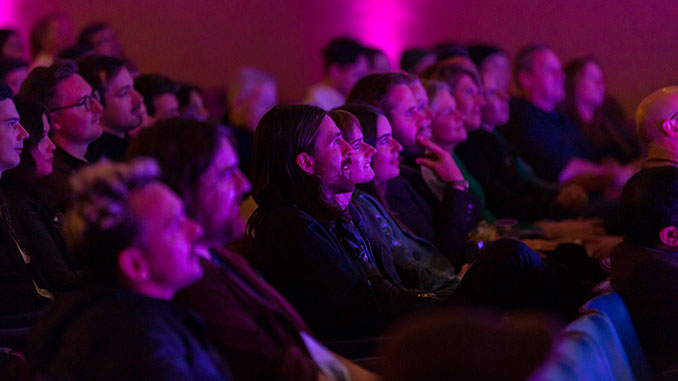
column 23, row 134
column 97, row 107
column 345, row 147
column 244, row 185
column 192, row 229
column 369, row 150
column 397, row 147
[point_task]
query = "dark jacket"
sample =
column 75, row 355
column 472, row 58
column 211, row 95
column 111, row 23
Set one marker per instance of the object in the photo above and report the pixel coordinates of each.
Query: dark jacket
column 446, row 224
column 647, row 280
column 109, row 146
column 55, row 191
column 250, row 324
column 103, row 333
column 333, row 285
column 507, row 194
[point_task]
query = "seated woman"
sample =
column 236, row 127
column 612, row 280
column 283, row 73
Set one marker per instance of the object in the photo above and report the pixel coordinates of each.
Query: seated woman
column 407, row 260
column 599, row 118
column 20, row 186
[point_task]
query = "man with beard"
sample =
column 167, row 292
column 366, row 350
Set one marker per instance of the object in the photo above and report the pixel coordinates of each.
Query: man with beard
column 303, row 241
column 112, row 81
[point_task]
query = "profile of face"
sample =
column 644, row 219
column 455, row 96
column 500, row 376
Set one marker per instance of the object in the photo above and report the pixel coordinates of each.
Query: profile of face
column 15, row 78
column 546, row 82
column 107, row 43
column 347, row 75
column 359, row 168
column 12, row 136
column 166, row 106
column 264, row 97
column 470, row 102
column 123, row 103
column 168, row 240
column 43, row 152
column 589, row 85
column 448, row 124
column 13, row 48
column 496, row 110
column 499, row 66
column 329, row 159
column 60, row 35
column 406, row 121
column 218, row 194
column 80, row 113
column 386, row 160
column 424, row 63
column 195, row 108
column 380, row 64
column 424, row 111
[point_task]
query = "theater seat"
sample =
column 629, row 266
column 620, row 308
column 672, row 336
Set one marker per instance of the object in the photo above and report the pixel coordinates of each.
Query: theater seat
column 612, row 306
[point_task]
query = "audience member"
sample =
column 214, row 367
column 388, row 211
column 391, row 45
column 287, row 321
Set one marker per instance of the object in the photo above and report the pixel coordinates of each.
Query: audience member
column 445, row 223
column 378, row 60
column 251, row 94
column 416, row 60
column 302, row 237
column 449, row 49
column 191, row 102
column 122, row 112
column 645, row 265
column 10, row 45
column 494, row 60
column 160, row 95
column 657, row 124
column 13, row 72
column 23, row 291
column 75, row 112
column 249, row 323
column 548, row 140
column 102, row 39
column 131, row 232
column 598, row 117
column 50, row 36
column 346, row 61
column 21, row 187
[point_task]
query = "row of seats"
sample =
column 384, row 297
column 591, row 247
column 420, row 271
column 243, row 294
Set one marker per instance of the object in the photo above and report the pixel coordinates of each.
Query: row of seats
column 600, row 345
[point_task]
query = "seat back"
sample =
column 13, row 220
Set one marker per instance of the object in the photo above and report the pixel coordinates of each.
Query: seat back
column 613, row 307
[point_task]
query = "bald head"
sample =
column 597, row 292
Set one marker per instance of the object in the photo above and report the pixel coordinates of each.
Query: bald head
column 654, row 112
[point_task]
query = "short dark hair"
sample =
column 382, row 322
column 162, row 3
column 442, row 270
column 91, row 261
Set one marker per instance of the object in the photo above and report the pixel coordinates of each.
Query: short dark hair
column 5, row 92
column 524, row 57
column 449, row 49
column 411, row 58
column 649, row 203
column 450, row 73
column 152, row 85
column 9, row 64
column 283, row 133
column 184, row 149
column 75, row 52
column 98, row 70
column 88, row 33
column 41, row 82
column 5, row 34
column 480, row 52
column 184, row 93
column 374, row 89
column 343, row 51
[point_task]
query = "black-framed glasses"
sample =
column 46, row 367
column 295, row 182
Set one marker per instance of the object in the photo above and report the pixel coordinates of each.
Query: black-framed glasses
column 86, row 101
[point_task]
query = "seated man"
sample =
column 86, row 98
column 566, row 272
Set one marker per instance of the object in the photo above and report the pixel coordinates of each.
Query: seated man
column 13, row 72
column 657, row 124
column 122, row 104
column 140, row 248
column 160, row 95
column 346, row 61
column 75, row 113
column 250, row 324
column 444, row 223
column 546, row 139
column 645, row 265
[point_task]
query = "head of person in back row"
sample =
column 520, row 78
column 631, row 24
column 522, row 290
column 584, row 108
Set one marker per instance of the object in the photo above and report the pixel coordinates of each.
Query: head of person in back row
column 13, row 72
column 102, row 39
column 251, row 93
column 346, row 61
column 49, row 36
column 416, row 60
column 160, row 95
column 539, row 77
column 657, row 125
column 123, row 112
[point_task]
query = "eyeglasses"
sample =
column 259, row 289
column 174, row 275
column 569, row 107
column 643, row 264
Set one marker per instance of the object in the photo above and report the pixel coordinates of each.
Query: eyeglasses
column 673, row 117
column 86, row 101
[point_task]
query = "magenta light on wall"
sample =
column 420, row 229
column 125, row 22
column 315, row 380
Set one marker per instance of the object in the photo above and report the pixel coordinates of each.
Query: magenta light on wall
column 383, row 24
column 8, row 13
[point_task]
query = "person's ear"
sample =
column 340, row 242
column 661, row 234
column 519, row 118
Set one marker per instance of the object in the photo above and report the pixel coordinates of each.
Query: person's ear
column 670, row 127
column 306, row 163
column 133, row 265
column 669, row 236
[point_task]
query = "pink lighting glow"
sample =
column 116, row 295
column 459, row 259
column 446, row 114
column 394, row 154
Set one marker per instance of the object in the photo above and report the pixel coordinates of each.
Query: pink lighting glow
column 384, row 24
column 8, row 13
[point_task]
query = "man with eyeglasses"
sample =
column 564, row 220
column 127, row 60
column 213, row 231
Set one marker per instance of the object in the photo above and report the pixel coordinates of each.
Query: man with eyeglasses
column 75, row 112
column 657, row 123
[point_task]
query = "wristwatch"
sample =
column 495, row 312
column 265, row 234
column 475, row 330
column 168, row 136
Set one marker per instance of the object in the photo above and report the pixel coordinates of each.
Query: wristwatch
column 460, row 184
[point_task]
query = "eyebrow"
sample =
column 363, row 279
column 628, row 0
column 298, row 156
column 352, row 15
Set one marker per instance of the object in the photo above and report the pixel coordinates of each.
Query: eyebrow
column 10, row 120
column 383, row 136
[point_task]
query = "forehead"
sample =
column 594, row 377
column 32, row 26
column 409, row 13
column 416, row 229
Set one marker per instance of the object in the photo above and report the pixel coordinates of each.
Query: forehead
column 418, row 91
column 442, row 99
column 8, row 110
column 123, row 78
column 154, row 203
column 72, row 88
column 401, row 95
column 383, row 126
column 545, row 58
column 327, row 130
